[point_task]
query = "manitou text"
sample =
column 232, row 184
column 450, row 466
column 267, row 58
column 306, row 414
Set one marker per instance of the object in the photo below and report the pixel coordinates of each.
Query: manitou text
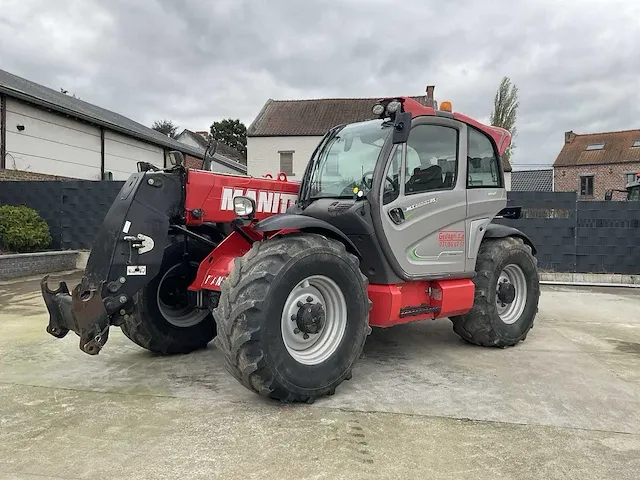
column 266, row 201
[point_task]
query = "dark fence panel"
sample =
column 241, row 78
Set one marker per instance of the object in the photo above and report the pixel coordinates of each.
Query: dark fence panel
column 74, row 210
column 549, row 219
column 579, row 236
column 608, row 237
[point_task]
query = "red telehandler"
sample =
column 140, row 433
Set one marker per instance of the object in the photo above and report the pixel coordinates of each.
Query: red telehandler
column 391, row 223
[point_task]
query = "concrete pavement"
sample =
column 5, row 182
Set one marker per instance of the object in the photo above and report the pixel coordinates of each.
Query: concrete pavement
column 422, row 404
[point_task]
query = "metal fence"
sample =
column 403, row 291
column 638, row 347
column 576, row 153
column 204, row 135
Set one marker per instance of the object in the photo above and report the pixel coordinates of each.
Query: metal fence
column 580, row 236
column 74, row 210
column 570, row 235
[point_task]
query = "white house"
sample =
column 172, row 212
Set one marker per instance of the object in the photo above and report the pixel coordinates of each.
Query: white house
column 45, row 133
column 286, row 132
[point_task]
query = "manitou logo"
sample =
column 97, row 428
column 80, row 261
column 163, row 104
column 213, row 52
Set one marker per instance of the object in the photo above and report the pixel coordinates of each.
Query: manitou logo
column 266, row 201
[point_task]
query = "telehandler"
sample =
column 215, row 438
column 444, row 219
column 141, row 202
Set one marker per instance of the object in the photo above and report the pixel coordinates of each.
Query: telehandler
column 391, row 223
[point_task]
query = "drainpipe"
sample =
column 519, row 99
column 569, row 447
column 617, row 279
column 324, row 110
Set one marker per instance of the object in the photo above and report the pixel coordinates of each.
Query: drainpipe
column 3, row 130
column 102, row 153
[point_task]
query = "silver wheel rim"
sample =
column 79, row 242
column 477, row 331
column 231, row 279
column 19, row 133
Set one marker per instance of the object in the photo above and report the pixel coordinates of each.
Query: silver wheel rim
column 318, row 347
column 510, row 312
column 178, row 315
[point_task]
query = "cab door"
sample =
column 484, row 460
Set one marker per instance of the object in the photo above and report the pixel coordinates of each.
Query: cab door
column 486, row 194
column 423, row 222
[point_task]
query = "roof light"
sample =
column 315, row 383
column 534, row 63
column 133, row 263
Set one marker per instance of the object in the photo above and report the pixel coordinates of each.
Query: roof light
column 446, row 107
column 378, row 109
column 393, row 106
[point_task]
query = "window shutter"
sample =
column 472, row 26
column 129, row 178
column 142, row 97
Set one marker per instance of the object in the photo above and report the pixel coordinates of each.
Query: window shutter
column 286, row 162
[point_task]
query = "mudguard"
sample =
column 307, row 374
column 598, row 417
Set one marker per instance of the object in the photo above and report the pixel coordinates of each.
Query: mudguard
column 126, row 254
column 496, row 230
column 304, row 223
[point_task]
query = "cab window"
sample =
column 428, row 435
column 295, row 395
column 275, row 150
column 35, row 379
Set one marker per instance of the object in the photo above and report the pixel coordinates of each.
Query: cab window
column 483, row 169
column 391, row 182
column 432, row 159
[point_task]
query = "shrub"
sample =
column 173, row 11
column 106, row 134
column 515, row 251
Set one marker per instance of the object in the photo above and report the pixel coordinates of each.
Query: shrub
column 22, row 229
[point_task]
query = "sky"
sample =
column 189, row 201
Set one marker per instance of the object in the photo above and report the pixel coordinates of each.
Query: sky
column 576, row 63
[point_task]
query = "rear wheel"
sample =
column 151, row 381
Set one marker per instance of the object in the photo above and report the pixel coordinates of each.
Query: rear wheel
column 164, row 319
column 506, row 296
column 293, row 317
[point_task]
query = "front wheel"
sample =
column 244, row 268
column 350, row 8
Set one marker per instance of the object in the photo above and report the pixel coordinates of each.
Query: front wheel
column 164, row 320
column 293, row 317
column 506, row 295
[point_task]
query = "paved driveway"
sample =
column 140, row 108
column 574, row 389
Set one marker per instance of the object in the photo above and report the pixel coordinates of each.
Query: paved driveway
column 422, row 404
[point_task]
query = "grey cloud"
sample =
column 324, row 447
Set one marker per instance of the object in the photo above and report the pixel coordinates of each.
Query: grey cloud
column 198, row 61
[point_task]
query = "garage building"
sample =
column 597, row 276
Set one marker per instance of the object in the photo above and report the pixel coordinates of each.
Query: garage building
column 48, row 134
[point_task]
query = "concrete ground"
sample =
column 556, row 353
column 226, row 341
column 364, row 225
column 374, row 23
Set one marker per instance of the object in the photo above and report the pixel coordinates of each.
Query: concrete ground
column 565, row 404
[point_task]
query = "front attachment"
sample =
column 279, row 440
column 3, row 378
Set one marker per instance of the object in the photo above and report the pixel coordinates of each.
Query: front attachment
column 126, row 255
column 82, row 313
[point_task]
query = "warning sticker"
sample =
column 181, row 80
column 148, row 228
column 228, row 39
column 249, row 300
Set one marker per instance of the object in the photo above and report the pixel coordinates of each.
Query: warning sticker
column 451, row 238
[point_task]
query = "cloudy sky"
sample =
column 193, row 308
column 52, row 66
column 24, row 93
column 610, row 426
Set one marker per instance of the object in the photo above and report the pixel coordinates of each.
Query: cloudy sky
column 576, row 62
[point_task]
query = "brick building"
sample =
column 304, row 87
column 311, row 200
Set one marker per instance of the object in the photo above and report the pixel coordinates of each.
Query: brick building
column 593, row 163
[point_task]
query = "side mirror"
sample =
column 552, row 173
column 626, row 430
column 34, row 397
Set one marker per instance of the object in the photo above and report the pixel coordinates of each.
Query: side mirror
column 176, row 158
column 401, row 127
column 608, row 195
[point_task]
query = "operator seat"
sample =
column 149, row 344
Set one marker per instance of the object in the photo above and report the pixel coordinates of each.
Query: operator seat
column 424, row 180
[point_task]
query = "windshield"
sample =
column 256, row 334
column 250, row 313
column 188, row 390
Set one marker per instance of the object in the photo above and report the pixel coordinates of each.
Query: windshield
column 348, row 160
column 634, row 193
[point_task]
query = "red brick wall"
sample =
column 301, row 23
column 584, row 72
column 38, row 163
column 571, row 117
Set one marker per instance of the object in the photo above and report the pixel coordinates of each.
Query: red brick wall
column 605, row 177
column 10, row 174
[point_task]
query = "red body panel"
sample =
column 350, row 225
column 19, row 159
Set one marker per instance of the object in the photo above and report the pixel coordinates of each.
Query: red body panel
column 453, row 297
column 212, row 193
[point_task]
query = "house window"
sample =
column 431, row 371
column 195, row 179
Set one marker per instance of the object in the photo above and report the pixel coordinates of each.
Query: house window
column 636, row 143
column 286, row 162
column 586, row 186
column 595, row 146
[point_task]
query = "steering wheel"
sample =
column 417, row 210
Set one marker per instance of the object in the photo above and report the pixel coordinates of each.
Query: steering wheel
column 369, row 184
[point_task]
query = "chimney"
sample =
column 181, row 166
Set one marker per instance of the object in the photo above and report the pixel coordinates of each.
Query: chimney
column 430, row 101
column 569, row 137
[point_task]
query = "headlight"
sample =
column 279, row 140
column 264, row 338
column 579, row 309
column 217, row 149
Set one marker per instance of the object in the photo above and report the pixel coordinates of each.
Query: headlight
column 378, row 109
column 244, row 206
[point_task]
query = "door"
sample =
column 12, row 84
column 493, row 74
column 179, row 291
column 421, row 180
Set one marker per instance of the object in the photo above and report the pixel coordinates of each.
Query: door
column 486, row 194
column 424, row 218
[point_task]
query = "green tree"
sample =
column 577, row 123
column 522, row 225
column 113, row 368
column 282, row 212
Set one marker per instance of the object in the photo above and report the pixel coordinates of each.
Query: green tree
column 505, row 109
column 232, row 133
column 166, row 127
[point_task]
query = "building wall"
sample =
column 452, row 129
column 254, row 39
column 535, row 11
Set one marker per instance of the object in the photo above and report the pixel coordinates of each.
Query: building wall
column 50, row 143
column 122, row 153
column 197, row 163
column 263, row 154
column 605, row 177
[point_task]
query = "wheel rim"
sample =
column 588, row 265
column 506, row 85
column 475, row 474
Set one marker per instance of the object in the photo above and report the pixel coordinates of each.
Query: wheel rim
column 172, row 297
column 510, row 309
column 315, row 293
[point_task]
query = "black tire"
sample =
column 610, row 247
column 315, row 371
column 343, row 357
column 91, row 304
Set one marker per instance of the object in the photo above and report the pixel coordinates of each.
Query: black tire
column 250, row 311
column 148, row 327
column 482, row 325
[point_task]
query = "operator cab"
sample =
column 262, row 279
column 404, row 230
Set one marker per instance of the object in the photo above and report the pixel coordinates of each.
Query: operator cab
column 413, row 189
